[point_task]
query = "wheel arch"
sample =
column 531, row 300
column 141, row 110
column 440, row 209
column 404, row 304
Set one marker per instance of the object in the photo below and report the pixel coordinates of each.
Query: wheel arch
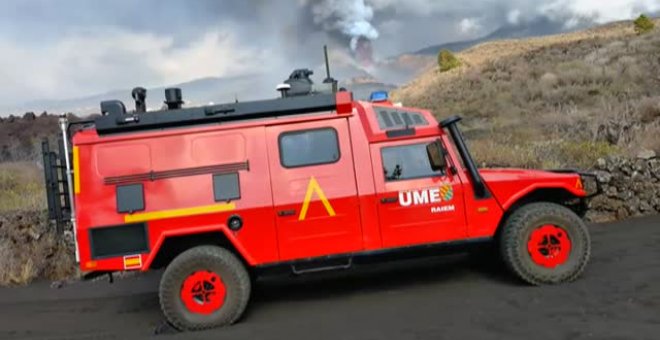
column 170, row 246
column 557, row 195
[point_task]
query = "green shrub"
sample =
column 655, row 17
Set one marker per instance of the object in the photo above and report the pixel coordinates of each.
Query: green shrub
column 643, row 24
column 447, row 61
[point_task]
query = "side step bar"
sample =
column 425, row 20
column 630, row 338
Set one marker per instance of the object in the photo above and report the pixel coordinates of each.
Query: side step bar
column 308, row 268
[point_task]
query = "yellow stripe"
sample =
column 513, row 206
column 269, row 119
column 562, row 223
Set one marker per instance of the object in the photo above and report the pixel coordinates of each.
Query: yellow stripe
column 157, row 215
column 76, row 170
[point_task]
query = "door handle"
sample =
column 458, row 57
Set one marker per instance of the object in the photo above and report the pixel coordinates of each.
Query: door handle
column 389, row 200
column 282, row 213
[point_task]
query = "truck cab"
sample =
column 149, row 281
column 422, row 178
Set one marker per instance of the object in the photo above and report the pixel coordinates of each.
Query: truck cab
column 319, row 181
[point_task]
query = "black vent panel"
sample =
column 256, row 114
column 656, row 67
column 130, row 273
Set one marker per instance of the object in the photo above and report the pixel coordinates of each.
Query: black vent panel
column 226, row 187
column 393, row 119
column 130, row 198
column 125, row 239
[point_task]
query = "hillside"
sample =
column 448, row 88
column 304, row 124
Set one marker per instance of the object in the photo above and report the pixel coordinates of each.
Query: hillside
column 555, row 101
column 537, row 27
column 20, row 137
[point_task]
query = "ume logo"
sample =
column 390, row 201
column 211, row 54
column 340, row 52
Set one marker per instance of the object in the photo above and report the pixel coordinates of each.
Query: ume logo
column 426, row 196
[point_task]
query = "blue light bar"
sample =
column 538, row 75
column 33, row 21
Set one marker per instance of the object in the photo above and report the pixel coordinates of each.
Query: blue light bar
column 378, row 96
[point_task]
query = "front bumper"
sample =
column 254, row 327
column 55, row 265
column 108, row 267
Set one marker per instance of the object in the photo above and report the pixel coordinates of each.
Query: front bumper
column 591, row 184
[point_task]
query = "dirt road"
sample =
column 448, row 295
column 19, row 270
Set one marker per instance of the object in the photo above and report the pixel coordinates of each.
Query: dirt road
column 451, row 297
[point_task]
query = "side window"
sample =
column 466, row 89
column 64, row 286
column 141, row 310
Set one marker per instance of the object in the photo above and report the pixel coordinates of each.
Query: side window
column 309, row 147
column 407, row 162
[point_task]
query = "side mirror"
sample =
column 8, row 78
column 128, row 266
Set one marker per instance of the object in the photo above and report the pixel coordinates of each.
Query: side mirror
column 436, row 153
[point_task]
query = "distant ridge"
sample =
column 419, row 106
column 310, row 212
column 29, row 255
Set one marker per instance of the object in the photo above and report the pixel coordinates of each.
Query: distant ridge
column 535, row 28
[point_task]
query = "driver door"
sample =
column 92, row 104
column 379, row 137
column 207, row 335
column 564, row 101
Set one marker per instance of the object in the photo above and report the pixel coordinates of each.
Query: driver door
column 416, row 204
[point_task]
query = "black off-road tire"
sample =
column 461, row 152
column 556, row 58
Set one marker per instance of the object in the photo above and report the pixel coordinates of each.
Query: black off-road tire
column 204, row 258
column 516, row 233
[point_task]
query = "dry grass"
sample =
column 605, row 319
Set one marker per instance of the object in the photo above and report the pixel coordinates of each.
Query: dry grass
column 557, row 101
column 541, row 155
column 21, row 187
column 29, row 246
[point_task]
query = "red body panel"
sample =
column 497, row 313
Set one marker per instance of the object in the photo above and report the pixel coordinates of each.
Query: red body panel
column 347, row 204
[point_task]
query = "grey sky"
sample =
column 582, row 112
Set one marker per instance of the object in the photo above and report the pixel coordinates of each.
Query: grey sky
column 73, row 48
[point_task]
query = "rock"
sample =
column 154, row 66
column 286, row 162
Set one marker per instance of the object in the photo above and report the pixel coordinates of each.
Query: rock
column 600, row 216
column 611, row 192
column 633, row 206
column 622, row 213
column 603, row 177
column 627, row 170
column 625, row 195
column 645, row 207
column 646, row 154
column 31, row 249
column 631, row 187
column 29, row 116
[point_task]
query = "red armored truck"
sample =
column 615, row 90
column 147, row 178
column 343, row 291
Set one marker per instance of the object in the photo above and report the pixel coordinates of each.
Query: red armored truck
column 311, row 181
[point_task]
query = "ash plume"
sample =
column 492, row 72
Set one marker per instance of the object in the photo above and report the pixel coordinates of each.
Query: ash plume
column 351, row 18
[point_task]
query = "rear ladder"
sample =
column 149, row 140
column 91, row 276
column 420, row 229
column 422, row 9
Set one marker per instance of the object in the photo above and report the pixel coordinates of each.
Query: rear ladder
column 57, row 185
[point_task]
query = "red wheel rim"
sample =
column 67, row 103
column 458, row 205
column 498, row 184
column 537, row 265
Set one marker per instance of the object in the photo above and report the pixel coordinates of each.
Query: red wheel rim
column 203, row 292
column 549, row 246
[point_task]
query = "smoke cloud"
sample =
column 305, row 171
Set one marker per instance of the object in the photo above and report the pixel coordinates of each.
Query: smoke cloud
column 76, row 48
column 350, row 17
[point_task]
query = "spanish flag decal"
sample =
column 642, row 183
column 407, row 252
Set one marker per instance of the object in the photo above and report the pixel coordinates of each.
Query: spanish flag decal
column 132, row 262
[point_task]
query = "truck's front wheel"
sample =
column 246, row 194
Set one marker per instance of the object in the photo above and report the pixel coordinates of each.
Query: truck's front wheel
column 204, row 287
column 545, row 243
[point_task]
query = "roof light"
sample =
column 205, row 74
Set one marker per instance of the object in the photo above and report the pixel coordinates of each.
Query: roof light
column 378, row 96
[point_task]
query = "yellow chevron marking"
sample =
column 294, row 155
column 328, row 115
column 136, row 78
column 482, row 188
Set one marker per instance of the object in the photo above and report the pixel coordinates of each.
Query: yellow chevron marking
column 314, row 187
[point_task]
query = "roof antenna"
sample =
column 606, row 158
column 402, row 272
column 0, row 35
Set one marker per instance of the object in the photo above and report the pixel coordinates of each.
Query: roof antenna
column 328, row 79
column 139, row 94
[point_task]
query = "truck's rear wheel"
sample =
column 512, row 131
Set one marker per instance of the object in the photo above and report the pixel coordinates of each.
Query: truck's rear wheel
column 545, row 243
column 204, row 287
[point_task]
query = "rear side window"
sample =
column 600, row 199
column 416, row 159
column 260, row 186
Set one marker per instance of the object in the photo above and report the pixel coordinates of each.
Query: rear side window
column 407, row 162
column 309, row 147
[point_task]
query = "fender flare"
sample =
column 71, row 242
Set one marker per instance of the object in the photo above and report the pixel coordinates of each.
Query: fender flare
column 223, row 229
column 506, row 205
